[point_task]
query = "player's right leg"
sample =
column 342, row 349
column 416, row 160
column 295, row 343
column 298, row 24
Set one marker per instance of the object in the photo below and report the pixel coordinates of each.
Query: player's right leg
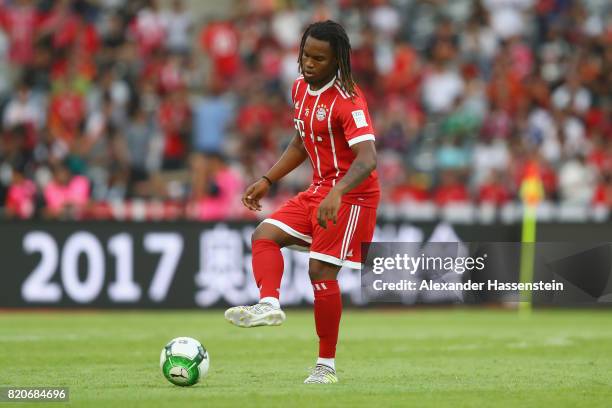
column 267, row 240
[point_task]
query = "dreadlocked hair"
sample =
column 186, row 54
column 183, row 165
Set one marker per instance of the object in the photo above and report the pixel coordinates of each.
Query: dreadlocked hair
column 334, row 34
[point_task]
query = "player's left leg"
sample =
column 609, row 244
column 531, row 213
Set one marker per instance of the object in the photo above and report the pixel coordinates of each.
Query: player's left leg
column 327, row 311
column 333, row 247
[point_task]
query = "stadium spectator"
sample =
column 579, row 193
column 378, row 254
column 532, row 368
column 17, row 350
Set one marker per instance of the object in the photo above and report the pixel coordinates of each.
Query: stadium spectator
column 452, row 155
column 149, row 29
column 178, row 23
column 572, row 96
column 286, row 25
column 220, row 40
column 21, row 196
column 414, row 189
column 451, row 190
column 214, row 198
column 67, row 195
column 13, row 145
column 67, row 110
column 175, row 123
column 577, row 181
column 212, row 118
column 20, row 21
column 24, row 110
column 603, row 192
column 488, row 155
column 139, row 145
column 494, row 190
column 442, row 84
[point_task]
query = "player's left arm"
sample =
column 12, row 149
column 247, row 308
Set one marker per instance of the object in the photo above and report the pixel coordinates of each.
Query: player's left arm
column 363, row 165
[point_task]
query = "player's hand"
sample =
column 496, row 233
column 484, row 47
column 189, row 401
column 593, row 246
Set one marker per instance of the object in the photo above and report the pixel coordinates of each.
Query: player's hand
column 329, row 207
column 254, row 193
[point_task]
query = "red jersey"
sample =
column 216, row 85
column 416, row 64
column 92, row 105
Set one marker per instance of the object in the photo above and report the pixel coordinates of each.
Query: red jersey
column 172, row 118
column 329, row 122
column 221, row 40
column 20, row 24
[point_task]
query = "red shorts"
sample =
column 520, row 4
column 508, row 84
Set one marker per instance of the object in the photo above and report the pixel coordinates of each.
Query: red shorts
column 338, row 244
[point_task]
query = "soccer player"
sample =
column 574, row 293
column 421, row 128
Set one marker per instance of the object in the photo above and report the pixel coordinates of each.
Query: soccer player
column 338, row 210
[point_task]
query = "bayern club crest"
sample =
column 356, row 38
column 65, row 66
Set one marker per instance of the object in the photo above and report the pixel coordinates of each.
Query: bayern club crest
column 321, row 112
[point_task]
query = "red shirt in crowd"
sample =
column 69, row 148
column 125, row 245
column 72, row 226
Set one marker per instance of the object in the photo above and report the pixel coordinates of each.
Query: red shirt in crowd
column 171, row 76
column 20, row 25
column 601, row 158
column 149, row 31
column 493, row 193
column 603, row 195
column 451, row 193
column 221, row 41
column 66, row 112
column 20, row 199
column 409, row 192
column 255, row 120
column 173, row 116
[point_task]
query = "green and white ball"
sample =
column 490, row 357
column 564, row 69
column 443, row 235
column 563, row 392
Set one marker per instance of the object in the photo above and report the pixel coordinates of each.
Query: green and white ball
column 184, row 361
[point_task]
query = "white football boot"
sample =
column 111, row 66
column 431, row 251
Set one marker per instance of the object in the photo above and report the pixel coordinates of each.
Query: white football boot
column 259, row 314
column 322, row 374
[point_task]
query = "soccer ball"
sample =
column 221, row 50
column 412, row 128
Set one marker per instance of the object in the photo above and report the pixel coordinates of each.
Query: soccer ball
column 184, row 361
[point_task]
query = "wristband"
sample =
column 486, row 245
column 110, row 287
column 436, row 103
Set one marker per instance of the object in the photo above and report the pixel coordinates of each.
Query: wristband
column 267, row 179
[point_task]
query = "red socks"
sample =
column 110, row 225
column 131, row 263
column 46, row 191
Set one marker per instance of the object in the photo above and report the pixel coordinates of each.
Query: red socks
column 268, row 270
column 327, row 311
column 267, row 267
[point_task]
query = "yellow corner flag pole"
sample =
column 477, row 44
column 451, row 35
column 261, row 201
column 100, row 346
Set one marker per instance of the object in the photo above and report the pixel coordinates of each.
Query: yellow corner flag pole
column 532, row 193
column 527, row 256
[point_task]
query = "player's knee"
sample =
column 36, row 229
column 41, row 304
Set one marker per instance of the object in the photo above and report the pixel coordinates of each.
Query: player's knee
column 263, row 231
column 257, row 234
column 314, row 274
column 320, row 271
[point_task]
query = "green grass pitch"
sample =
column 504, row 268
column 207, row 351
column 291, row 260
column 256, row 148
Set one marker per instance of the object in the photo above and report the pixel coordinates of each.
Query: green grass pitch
column 416, row 358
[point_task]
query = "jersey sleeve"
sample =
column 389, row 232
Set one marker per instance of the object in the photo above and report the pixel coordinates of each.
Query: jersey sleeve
column 355, row 120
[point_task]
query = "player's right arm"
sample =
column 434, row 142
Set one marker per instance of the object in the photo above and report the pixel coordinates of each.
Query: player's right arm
column 292, row 157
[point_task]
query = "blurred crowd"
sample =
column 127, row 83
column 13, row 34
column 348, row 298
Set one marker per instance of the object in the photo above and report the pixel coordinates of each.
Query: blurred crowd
column 109, row 102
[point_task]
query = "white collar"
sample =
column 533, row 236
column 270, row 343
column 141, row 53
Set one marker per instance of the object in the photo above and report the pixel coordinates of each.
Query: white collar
column 322, row 89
